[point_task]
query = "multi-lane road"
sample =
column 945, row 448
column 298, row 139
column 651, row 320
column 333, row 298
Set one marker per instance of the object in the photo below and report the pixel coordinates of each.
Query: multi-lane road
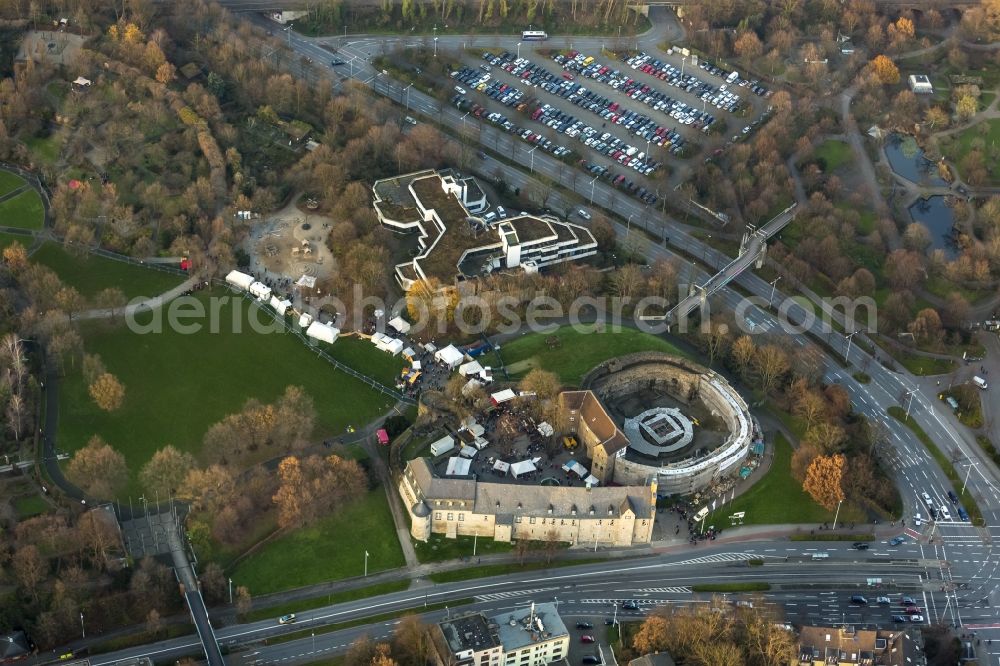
column 951, row 567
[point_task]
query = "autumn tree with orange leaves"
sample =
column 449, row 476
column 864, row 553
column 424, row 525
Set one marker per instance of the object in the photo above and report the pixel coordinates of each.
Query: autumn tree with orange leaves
column 884, row 70
column 824, row 478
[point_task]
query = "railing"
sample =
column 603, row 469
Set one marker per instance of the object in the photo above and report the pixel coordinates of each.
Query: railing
column 378, row 386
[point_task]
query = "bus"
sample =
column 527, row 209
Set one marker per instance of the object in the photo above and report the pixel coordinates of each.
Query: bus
column 533, row 36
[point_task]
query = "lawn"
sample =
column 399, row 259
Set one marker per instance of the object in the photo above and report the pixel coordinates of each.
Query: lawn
column 576, row 352
column 24, row 211
column 45, row 149
column 9, row 182
column 332, row 549
column 90, row 274
column 8, row 239
column 962, row 143
column 778, row 498
column 439, row 548
column 177, row 385
column 31, row 505
column 363, row 356
column 834, row 154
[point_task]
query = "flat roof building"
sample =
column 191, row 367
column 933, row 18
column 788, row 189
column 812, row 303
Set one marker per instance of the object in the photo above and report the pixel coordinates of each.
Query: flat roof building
column 441, row 207
column 532, row 636
column 921, row 84
column 468, row 640
column 849, row 646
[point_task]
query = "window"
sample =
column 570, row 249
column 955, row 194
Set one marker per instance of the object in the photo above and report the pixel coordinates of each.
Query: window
column 532, row 520
column 461, row 516
column 517, row 519
column 437, row 515
column 451, row 516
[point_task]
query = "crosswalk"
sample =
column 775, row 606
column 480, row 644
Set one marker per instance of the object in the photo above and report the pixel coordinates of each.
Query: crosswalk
column 666, row 590
column 494, row 596
column 718, row 557
column 639, row 602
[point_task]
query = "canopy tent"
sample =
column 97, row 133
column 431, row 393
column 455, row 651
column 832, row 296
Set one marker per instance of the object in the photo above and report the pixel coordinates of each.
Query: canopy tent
column 458, row 466
column 523, row 467
column 280, row 306
column 503, row 396
column 378, row 339
column 575, row 467
column 305, row 319
column 416, row 365
column 545, row 430
column 470, row 368
column 241, row 280
column 430, row 347
column 592, row 481
column 261, row 291
column 400, row 325
column 383, row 436
column 323, row 332
column 450, row 356
column 501, row 466
column 394, row 346
column 307, row 281
column 80, row 81
column 409, row 353
column 468, row 451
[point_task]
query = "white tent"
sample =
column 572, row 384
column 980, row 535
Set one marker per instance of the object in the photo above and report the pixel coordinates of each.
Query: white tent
column 80, row 81
column 468, row 451
column 523, row 467
column 470, row 386
column 241, row 280
column 409, row 352
column 307, row 281
column 469, row 369
column 305, row 319
column 443, row 445
column 378, row 339
column 458, row 466
column 394, row 346
column 592, row 481
column 400, row 325
column 260, row 290
column 503, row 396
column 575, row 467
column 416, row 365
column 501, row 466
column 280, row 306
column 545, row 430
column 450, row 356
column 323, row 332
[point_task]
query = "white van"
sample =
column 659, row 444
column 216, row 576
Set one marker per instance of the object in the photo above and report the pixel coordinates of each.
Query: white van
column 490, row 217
column 980, row 382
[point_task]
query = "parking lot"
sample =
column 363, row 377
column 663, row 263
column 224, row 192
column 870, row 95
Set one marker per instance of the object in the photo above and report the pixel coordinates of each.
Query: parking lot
column 632, row 116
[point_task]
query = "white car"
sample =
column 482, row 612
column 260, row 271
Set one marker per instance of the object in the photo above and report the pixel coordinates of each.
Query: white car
column 584, row 214
column 917, row 519
column 944, row 513
column 927, row 499
column 916, row 618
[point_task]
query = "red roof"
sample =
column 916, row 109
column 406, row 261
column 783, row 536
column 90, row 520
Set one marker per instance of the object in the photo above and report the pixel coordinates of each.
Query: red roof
column 383, row 436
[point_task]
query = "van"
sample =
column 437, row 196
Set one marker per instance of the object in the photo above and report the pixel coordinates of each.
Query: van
column 980, row 382
column 490, row 217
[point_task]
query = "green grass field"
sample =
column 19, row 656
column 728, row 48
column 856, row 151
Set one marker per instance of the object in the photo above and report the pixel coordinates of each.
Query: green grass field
column 90, row 274
column 332, row 549
column 577, row 352
column 178, row 385
column 362, row 355
column 45, row 149
column 962, row 143
column 31, row 505
column 9, row 182
column 8, row 239
column 778, row 498
column 24, row 211
column 834, row 153
column 439, row 548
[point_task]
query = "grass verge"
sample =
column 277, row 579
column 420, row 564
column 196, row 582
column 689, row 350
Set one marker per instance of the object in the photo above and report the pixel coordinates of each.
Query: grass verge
column 731, row 587
column 142, row 637
column 318, row 602
column 505, row 569
column 832, row 537
column 987, row 446
column 306, row 633
column 969, row 502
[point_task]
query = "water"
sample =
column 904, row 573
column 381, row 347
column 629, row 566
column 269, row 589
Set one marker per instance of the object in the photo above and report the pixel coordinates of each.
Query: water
column 939, row 219
column 907, row 160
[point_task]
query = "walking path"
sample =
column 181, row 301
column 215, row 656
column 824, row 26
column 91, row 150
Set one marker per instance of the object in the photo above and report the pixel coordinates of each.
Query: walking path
column 147, row 304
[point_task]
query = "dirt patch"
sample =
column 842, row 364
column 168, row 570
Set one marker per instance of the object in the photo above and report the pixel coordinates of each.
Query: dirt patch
column 60, row 48
column 289, row 244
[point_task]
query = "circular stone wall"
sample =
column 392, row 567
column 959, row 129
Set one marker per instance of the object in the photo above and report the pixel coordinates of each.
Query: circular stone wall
column 678, row 471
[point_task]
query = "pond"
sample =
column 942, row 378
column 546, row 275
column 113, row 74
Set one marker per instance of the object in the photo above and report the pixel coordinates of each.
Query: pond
column 939, row 219
column 907, row 160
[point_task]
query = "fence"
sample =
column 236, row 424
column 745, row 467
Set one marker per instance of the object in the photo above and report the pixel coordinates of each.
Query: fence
column 378, row 386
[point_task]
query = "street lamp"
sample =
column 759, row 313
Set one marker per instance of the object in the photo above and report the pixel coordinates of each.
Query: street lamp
column 909, row 401
column 593, row 184
column 463, row 121
column 683, row 62
column 519, row 49
column 407, row 91
column 967, row 472
column 435, row 41
column 773, row 284
column 366, row 564
column 628, row 225
column 83, row 630
column 230, row 590
column 847, row 354
column 532, row 154
column 837, row 514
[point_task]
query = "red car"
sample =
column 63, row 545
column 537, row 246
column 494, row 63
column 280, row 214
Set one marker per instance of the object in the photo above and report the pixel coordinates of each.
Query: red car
column 567, row 76
column 912, row 610
column 586, row 639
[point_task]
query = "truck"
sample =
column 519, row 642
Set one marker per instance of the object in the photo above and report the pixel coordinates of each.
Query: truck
column 980, row 382
column 442, row 446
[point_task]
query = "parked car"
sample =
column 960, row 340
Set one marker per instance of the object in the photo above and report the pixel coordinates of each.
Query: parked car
column 584, row 214
column 908, row 601
column 584, row 625
column 586, row 638
column 861, row 545
column 899, row 618
column 916, row 618
column 591, row 660
column 883, row 601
